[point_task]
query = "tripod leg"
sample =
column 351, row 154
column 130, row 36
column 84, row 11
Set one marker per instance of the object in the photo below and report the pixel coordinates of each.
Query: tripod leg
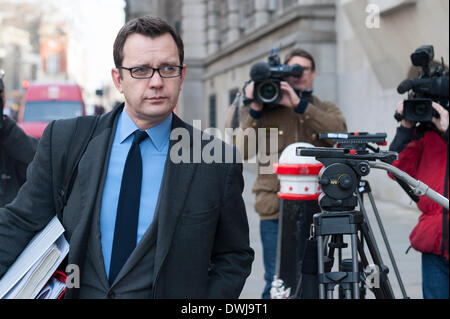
column 379, row 294
column 373, row 247
column 321, row 270
column 330, row 294
column 384, row 284
column 388, row 247
column 355, row 264
column 348, row 294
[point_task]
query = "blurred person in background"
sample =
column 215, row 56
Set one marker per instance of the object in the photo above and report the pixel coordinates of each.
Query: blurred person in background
column 16, row 152
column 299, row 117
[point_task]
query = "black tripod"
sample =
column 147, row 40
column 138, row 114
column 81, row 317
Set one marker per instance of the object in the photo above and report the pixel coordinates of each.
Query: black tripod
column 338, row 224
column 342, row 191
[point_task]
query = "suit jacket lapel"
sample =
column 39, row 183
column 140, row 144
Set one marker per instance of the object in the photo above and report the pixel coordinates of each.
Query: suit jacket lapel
column 90, row 171
column 94, row 161
column 174, row 189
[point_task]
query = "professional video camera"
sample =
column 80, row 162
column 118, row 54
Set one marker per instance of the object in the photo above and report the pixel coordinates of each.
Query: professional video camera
column 431, row 85
column 2, row 87
column 267, row 77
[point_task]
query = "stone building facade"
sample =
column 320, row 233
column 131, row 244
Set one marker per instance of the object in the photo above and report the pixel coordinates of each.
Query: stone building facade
column 361, row 47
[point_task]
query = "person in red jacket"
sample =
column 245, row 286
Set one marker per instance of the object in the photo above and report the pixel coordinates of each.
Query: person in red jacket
column 423, row 154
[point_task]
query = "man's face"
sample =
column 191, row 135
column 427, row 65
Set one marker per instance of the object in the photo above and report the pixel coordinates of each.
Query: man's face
column 305, row 82
column 149, row 101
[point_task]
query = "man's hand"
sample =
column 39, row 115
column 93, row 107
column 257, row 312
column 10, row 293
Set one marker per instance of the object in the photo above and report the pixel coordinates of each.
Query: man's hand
column 442, row 122
column 249, row 94
column 290, row 98
column 404, row 123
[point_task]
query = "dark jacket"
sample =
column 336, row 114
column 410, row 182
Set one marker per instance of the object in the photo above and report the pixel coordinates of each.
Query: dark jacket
column 202, row 242
column 16, row 152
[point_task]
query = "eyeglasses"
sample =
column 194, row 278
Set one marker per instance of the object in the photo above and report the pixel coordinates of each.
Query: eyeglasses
column 146, row 72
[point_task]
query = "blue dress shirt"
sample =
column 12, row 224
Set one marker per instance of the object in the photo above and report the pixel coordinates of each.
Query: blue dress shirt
column 154, row 152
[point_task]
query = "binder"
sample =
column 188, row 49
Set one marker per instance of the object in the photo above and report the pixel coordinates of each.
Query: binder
column 37, row 263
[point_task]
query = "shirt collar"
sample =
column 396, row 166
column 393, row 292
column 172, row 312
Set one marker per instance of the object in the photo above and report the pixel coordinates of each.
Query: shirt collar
column 159, row 134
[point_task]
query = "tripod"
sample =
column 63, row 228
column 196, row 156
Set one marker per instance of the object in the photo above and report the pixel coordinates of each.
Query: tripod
column 335, row 225
column 343, row 191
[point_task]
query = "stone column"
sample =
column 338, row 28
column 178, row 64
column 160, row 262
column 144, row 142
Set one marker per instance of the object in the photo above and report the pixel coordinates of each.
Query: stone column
column 194, row 33
column 233, row 21
column 261, row 13
column 212, row 27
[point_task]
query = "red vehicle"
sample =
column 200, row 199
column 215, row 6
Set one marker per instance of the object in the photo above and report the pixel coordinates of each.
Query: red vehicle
column 45, row 102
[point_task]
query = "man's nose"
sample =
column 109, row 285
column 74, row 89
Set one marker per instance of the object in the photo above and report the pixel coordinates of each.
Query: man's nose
column 156, row 81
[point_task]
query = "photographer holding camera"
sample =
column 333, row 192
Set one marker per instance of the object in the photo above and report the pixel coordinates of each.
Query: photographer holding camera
column 280, row 96
column 16, row 152
column 422, row 143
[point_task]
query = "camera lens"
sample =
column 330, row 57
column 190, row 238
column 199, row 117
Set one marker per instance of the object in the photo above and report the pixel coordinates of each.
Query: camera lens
column 268, row 92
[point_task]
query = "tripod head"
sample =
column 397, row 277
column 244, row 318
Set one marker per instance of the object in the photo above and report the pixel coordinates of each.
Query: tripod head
column 358, row 140
column 341, row 174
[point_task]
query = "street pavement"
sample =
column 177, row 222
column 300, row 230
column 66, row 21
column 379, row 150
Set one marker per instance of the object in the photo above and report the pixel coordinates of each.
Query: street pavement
column 398, row 221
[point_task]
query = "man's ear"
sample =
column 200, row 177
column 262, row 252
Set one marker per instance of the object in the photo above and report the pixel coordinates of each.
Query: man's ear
column 117, row 79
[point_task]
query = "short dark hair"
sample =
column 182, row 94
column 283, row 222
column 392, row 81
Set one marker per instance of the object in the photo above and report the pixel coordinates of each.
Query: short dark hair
column 302, row 53
column 148, row 26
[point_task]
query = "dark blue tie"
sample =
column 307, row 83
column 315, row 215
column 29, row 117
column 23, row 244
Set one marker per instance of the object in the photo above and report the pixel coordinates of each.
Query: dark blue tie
column 125, row 231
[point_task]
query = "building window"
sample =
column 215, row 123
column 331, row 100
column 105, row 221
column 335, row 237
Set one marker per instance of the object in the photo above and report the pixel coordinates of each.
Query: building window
column 272, row 6
column 287, row 4
column 212, row 111
column 53, row 64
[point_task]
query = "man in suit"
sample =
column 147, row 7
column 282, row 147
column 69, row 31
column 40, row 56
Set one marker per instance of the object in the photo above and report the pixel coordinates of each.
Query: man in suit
column 184, row 236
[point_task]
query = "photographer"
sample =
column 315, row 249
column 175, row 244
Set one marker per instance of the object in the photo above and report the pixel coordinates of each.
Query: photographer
column 16, row 152
column 299, row 117
column 423, row 154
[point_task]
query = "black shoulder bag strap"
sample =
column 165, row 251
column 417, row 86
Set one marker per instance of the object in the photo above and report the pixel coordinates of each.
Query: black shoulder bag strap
column 84, row 131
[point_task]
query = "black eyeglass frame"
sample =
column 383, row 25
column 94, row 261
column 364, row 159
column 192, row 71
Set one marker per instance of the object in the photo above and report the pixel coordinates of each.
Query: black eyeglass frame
column 180, row 67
